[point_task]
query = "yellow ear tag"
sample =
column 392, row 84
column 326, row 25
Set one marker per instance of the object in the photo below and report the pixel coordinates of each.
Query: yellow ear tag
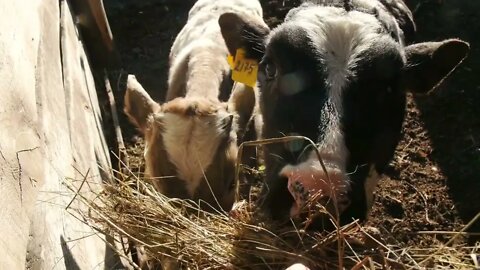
column 244, row 70
column 230, row 61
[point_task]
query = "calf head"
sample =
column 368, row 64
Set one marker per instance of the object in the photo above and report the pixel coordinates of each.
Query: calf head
column 190, row 144
column 339, row 77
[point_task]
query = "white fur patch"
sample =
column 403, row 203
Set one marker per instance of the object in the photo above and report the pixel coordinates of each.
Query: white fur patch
column 340, row 42
column 292, row 83
column 370, row 186
column 191, row 144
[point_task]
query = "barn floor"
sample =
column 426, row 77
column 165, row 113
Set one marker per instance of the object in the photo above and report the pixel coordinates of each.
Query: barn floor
column 433, row 183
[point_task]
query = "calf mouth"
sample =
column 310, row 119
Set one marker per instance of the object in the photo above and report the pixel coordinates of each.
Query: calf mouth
column 317, row 190
column 322, row 213
column 317, row 202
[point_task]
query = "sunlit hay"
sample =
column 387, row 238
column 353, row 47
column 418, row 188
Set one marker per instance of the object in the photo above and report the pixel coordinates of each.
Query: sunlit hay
column 241, row 239
column 198, row 239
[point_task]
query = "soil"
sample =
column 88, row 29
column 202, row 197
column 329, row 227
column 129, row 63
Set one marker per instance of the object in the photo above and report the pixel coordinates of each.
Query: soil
column 433, row 183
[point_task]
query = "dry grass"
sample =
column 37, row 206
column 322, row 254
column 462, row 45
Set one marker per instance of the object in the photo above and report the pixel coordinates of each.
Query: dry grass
column 174, row 228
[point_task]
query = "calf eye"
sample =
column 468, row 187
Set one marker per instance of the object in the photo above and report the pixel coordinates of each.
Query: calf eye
column 270, row 71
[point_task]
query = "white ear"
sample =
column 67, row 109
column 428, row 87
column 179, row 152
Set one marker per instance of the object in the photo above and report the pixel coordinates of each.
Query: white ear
column 138, row 104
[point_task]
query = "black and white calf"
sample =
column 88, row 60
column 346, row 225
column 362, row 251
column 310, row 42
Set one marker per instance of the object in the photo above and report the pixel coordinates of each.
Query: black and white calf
column 336, row 72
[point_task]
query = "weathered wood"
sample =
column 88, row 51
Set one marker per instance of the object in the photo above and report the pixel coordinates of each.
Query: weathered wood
column 50, row 135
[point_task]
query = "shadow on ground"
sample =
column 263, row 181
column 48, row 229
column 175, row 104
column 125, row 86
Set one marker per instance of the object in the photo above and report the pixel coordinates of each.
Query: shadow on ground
column 451, row 114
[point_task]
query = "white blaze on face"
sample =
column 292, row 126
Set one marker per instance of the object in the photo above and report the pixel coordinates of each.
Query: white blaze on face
column 339, row 40
column 191, row 144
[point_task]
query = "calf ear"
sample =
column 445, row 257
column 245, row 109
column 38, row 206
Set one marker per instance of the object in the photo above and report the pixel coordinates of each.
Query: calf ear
column 138, row 104
column 429, row 63
column 243, row 31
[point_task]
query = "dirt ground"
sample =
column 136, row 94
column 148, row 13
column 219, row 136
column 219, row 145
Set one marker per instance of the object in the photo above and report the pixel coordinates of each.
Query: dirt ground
column 433, row 183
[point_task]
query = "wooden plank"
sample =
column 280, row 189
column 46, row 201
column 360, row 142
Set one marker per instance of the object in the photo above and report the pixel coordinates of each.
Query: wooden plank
column 96, row 34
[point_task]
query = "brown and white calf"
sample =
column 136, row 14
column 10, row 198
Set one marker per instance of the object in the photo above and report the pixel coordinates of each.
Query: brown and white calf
column 336, row 72
column 191, row 141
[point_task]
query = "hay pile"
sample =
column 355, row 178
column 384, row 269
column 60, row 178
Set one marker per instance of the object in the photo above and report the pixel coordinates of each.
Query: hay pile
column 201, row 240
column 177, row 229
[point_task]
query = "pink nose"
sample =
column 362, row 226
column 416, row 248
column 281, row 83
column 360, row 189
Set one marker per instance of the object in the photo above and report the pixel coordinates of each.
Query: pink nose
column 308, row 181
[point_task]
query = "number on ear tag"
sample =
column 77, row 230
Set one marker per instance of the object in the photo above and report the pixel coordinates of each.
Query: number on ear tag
column 244, row 70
